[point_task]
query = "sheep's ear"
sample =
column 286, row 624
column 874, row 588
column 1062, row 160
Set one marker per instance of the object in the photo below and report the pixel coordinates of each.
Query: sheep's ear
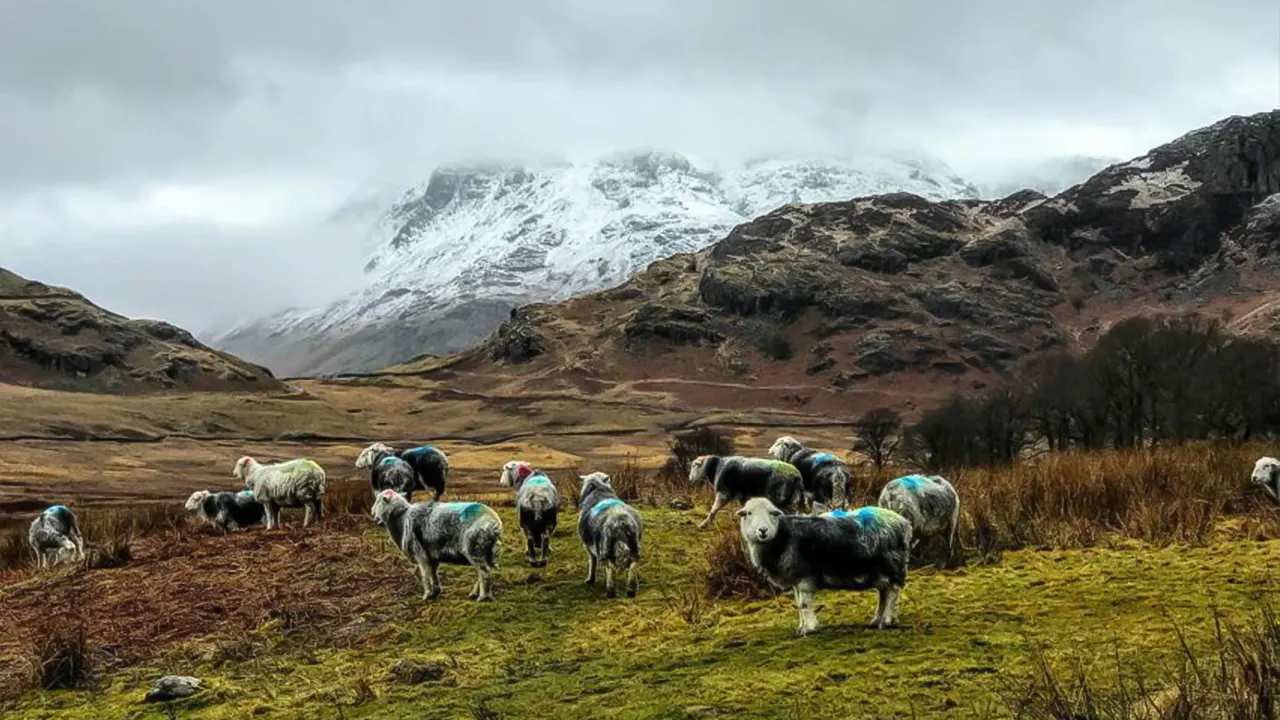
column 775, row 512
column 741, row 513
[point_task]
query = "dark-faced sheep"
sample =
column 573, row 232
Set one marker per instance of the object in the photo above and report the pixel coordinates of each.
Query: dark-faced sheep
column 610, row 531
column 740, row 478
column 867, row 548
column 430, row 466
column 227, row 510
column 1266, row 475
column 54, row 536
column 537, row 505
column 825, row 476
column 454, row 533
column 930, row 504
column 294, row 483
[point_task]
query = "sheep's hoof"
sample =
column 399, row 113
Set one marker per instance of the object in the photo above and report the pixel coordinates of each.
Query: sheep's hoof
column 590, row 582
column 611, row 593
column 474, row 595
column 485, row 598
column 433, row 594
column 631, row 592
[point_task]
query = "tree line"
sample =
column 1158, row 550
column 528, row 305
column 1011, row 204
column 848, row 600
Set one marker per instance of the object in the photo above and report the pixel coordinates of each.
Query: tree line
column 1147, row 381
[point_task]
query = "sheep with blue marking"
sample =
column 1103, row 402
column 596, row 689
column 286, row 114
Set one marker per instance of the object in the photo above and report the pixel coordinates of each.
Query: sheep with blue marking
column 293, row 483
column 227, row 510
column 537, row 505
column 840, row 550
column 825, row 476
column 387, row 471
column 930, row 503
column 1266, row 474
column 54, row 536
column 430, row 466
column 454, row 533
column 610, row 531
column 734, row 477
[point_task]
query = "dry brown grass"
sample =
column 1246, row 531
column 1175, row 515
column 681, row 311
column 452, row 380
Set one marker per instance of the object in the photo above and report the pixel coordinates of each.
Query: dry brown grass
column 729, row 573
column 1190, row 494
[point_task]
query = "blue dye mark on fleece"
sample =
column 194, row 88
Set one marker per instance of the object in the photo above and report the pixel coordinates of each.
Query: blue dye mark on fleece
column 839, row 514
column 245, row 493
column 823, row 458
column 911, row 482
column 600, row 506
column 538, row 480
column 467, row 510
column 56, row 508
column 869, row 515
column 388, row 460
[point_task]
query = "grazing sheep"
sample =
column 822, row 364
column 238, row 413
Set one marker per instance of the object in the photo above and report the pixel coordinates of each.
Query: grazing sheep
column 227, row 510
column 430, row 533
column 430, row 467
column 825, row 476
column 740, row 478
column 1266, row 473
column 610, row 531
column 929, row 503
column 538, row 505
column 841, row 550
column 294, row 483
column 53, row 535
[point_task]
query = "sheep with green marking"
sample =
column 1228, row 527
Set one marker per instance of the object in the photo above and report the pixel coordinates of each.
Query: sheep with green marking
column 294, row 483
column 740, row 478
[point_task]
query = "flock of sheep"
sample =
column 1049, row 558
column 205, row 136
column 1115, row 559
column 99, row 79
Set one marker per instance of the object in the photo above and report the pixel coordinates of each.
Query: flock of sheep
column 795, row 529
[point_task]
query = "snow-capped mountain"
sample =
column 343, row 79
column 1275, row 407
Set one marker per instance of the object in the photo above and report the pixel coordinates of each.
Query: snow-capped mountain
column 1049, row 177
column 456, row 254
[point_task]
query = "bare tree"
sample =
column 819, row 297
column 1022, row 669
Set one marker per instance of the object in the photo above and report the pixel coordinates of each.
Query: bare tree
column 877, row 435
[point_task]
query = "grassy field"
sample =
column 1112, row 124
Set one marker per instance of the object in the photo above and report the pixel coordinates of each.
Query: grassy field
column 1090, row 581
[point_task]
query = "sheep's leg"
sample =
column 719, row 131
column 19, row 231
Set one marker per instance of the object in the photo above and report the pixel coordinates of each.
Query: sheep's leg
column 895, row 591
column 715, row 508
column 435, row 580
column 426, row 579
column 804, row 604
column 546, row 547
column 610, row 589
column 486, row 584
column 591, row 569
column 319, row 503
column 633, row 580
column 306, row 514
column 530, row 554
column 882, row 607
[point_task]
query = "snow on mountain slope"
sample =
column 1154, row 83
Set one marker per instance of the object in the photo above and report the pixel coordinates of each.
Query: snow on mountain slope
column 460, row 251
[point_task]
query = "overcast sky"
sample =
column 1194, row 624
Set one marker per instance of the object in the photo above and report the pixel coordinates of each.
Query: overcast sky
column 176, row 158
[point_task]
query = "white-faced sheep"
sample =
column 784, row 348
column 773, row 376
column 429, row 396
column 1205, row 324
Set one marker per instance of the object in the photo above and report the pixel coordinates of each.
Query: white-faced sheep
column 610, row 531
column 430, row 466
column 294, row 483
column 825, row 476
column 227, row 510
column 455, row 533
column 740, row 478
column 930, row 504
column 841, row 550
column 537, row 505
column 1266, row 474
column 54, row 535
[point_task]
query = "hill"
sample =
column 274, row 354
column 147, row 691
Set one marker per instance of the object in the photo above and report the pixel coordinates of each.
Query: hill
column 54, row 338
column 897, row 299
column 452, row 257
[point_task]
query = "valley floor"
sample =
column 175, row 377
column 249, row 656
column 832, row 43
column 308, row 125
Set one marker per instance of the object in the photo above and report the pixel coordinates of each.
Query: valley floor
column 312, row 623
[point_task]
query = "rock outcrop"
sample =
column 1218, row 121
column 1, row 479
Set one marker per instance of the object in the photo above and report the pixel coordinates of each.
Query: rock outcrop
column 52, row 337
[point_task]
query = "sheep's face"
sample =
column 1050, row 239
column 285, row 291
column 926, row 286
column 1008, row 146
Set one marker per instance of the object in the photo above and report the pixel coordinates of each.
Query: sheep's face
column 365, row 460
column 197, row 497
column 242, row 468
column 594, row 482
column 784, row 447
column 758, row 520
column 696, row 474
column 383, row 504
column 514, row 472
column 1266, row 472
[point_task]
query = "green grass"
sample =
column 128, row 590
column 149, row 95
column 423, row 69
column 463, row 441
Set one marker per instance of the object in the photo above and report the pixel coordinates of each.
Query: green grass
column 551, row 647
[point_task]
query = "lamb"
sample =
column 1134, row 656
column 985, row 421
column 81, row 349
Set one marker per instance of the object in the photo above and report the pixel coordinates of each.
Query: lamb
column 825, row 476
column 840, row 550
column 53, row 535
column 740, row 478
column 1266, row 473
column 929, row 503
column 538, row 505
column 610, row 531
column 430, row 466
column 430, row 533
column 294, row 483
column 227, row 510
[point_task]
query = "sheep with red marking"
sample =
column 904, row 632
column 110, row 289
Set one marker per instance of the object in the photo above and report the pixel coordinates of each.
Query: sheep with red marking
column 537, row 505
